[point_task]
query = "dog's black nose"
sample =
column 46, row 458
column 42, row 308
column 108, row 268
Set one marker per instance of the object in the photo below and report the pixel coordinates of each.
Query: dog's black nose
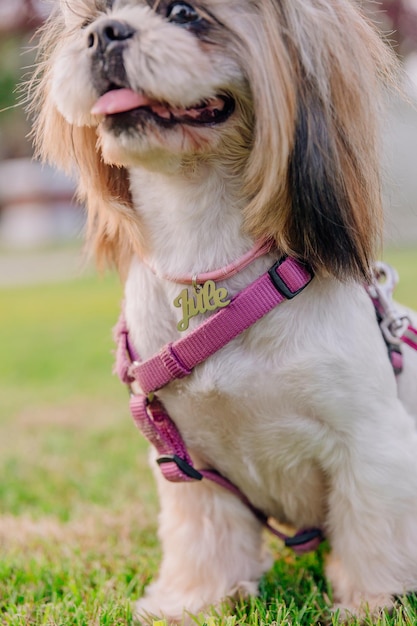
column 109, row 32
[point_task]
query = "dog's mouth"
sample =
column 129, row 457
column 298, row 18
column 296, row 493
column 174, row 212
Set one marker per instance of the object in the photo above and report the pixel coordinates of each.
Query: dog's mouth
column 129, row 105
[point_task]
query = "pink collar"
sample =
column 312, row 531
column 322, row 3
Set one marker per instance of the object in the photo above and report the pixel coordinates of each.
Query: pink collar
column 259, row 249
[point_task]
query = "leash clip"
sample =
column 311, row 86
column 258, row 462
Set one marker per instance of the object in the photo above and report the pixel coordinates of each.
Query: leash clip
column 394, row 323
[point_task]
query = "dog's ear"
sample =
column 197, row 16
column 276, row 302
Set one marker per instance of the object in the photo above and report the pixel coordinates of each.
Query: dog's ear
column 324, row 203
column 334, row 216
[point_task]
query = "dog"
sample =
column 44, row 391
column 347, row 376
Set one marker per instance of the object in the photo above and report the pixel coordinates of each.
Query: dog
column 198, row 131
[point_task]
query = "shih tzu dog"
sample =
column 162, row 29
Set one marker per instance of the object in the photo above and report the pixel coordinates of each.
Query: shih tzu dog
column 211, row 139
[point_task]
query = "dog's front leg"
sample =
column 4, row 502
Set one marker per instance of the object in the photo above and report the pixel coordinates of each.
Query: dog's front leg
column 372, row 518
column 212, row 550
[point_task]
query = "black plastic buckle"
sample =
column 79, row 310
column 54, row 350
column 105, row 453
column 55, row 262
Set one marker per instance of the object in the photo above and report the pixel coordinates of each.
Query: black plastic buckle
column 304, row 537
column 185, row 467
column 281, row 286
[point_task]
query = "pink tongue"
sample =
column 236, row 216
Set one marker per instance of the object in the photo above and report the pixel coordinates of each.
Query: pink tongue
column 118, row 101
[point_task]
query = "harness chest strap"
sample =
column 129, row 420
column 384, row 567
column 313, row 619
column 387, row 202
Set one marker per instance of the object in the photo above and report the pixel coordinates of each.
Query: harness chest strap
column 283, row 281
column 176, row 360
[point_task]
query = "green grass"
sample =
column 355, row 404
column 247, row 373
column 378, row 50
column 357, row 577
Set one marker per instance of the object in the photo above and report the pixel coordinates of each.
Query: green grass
column 77, row 501
column 405, row 262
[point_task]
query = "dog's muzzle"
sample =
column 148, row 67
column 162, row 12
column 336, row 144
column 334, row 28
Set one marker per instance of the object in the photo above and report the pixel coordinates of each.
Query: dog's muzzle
column 107, row 42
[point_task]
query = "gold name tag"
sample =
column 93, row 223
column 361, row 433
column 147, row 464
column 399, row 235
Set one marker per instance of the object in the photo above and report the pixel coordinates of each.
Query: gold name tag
column 204, row 298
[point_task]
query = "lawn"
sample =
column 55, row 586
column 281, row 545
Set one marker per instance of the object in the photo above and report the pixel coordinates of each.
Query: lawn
column 77, row 501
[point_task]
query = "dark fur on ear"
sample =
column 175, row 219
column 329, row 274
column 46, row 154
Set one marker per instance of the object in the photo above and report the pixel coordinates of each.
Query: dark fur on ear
column 330, row 220
column 314, row 184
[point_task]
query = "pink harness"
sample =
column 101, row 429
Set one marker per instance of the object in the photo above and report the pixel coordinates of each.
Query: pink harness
column 395, row 326
column 283, row 281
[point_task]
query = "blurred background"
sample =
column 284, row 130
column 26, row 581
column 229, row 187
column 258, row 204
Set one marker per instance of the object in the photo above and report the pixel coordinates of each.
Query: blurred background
column 36, row 202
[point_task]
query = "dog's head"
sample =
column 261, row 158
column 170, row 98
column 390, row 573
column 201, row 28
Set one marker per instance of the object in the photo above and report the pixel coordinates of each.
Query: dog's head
column 282, row 91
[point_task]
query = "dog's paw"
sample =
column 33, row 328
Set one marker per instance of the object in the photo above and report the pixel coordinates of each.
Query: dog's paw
column 175, row 609
column 351, row 601
column 185, row 611
column 147, row 610
column 363, row 607
column 244, row 589
column 146, row 613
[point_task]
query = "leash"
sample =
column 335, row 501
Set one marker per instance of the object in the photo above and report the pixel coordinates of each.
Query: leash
column 283, row 281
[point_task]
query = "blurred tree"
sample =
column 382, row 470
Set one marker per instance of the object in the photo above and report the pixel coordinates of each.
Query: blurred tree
column 18, row 20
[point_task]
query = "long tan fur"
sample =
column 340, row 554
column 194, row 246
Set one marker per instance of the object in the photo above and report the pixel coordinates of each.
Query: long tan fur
column 113, row 228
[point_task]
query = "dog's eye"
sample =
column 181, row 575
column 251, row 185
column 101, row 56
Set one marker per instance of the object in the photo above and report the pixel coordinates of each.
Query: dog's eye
column 182, row 13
